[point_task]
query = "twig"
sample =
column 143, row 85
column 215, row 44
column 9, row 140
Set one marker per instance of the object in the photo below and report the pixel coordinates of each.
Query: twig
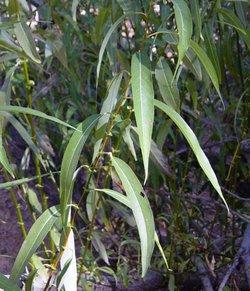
column 204, row 274
column 236, row 196
column 242, row 252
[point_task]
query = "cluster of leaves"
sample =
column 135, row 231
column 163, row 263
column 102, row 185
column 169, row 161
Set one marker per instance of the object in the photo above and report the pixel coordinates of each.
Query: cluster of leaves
column 118, row 82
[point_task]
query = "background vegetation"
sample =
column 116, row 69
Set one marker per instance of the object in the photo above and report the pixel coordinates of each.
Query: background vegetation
column 135, row 121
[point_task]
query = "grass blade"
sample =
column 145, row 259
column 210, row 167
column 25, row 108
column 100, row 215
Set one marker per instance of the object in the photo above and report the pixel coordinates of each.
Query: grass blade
column 141, row 210
column 184, row 26
column 143, row 98
column 70, row 161
column 194, row 144
column 33, row 240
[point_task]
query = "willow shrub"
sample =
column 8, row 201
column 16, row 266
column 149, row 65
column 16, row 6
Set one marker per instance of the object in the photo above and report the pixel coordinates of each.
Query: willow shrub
column 109, row 82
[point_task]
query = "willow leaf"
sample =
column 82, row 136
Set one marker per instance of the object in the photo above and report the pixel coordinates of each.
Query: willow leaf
column 194, row 144
column 208, row 66
column 36, row 235
column 20, row 109
column 26, row 41
column 168, row 88
column 70, row 161
column 141, row 210
column 184, row 26
column 7, row 285
column 143, row 98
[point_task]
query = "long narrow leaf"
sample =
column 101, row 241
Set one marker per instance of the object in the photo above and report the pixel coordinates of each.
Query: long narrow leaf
column 70, row 161
column 207, row 65
column 184, row 26
column 20, row 109
column 143, row 98
column 7, row 285
column 33, row 240
column 141, row 210
column 194, row 144
column 26, row 41
column 168, row 88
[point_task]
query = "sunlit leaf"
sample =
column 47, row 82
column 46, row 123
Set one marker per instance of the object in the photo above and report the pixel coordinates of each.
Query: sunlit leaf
column 143, row 99
column 194, row 144
column 69, row 279
column 141, row 210
column 184, row 26
column 36, row 235
column 70, row 161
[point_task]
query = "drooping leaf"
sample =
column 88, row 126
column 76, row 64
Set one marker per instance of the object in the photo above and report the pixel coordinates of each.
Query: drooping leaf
column 184, row 26
column 99, row 246
column 8, row 285
column 20, row 109
column 26, row 41
column 143, row 99
column 194, row 144
column 8, row 43
column 74, row 6
column 33, row 200
column 141, row 210
column 168, row 88
column 70, row 161
column 36, row 235
column 208, row 66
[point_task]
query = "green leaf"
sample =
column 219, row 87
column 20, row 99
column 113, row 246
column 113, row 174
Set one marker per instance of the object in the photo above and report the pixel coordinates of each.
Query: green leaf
column 106, row 111
column 143, row 98
column 74, row 6
column 29, row 280
column 194, row 144
column 21, row 181
column 33, row 200
column 36, row 235
column 99, row 246
column 105, row 42
column 141, row 210
column 26, row 41
column 192, row 62
column 234, row 21
column 184, row 26
column 168, row 88
column 195, row 10
column 117, row 196
column 4, row 160
column 128, row 140
column 212, row 52
column 20, row 109
column 8, row 43
column 7, row 284
column 70, row 161
column 208, row 66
